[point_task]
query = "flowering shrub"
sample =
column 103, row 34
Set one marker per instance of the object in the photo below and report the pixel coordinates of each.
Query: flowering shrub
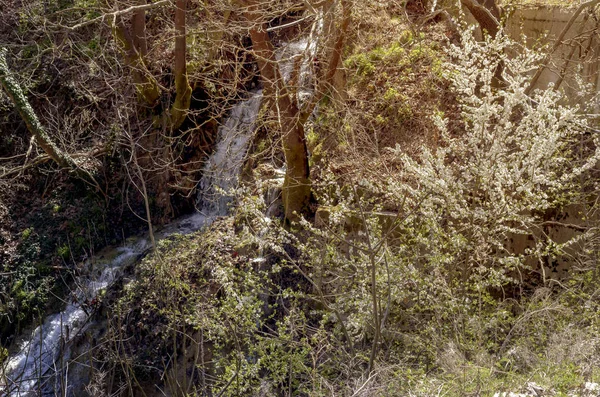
column 400, row 287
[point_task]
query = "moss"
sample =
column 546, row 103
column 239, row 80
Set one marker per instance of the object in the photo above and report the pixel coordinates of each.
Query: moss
column 261, row 146
column 312, row 138
column 3, row 354
column 26, row 233
column 361, row 63
column 182, row 102
column 406, row 37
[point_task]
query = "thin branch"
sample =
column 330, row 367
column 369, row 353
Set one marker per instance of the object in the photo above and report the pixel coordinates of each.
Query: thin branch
column 567, row 225
column 114, row 15
column 557, row 43
column 289, row 25
column 45, row 158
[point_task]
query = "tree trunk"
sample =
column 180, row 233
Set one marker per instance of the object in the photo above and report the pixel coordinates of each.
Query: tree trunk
column 183, row 89
column 138, row 24
column 145, row 84
column 34, row 126
column 326, row 80
column 487, row 15
column 296, row 185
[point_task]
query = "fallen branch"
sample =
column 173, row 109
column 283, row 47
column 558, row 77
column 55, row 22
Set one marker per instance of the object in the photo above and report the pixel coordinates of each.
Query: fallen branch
column 45, row 158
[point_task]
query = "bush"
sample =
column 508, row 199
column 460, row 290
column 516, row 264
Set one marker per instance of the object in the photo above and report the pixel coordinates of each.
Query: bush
column 430, row 298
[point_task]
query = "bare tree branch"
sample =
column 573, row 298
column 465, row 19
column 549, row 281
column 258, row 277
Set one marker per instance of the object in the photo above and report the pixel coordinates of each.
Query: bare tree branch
column 557, row 43
column 116, row 14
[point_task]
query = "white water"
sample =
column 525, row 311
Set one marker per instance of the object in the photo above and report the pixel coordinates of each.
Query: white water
column 221, row 172
column 40, row 356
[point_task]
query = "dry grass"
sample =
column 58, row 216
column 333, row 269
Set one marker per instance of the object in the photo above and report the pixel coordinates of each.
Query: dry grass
column 395, row 84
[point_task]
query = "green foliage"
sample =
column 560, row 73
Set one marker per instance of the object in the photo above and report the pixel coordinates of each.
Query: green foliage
column 365, row 64
column 90, row 8
column 63, row 251
column 3, row 354
column 26, row 233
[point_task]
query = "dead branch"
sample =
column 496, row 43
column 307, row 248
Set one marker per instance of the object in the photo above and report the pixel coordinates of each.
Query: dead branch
column 44, row 158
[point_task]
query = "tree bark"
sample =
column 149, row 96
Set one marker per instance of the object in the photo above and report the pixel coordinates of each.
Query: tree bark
column 488, row 14
column 138, row 23
column 34, row 126
column 145, row 84
column 183, row 89
column 296, row 185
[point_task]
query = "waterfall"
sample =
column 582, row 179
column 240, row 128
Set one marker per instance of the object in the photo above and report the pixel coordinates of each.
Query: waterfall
column 33, row 367
column 38, row 356
column 221, row 172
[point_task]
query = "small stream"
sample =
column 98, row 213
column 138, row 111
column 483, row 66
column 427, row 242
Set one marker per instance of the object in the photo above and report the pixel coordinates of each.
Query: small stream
column 30, row 372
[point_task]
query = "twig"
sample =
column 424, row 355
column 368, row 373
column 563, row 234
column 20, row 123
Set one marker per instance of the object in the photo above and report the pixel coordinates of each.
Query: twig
column 567, row 225
column 45, row 158
column 558, row 43
column 364, row 384
column 114, row 15
column 289, row 25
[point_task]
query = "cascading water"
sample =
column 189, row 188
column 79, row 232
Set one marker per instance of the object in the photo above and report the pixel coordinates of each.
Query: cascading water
column 26, row 371
column 221, row 171
column 31, row 370
column 37, row 358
